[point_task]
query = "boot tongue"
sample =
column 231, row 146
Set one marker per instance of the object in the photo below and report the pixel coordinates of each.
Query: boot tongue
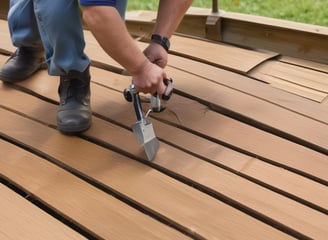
column 75, row 85
column 74, row 88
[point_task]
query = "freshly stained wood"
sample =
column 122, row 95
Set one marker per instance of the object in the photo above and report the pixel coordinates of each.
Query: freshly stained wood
column 20, row 219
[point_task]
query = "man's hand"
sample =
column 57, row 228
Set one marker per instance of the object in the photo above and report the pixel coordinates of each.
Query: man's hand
column 149, row 78
column 156, row 54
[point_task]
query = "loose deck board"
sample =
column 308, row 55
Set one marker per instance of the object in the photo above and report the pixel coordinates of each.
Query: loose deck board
column 302, row 81
column 253, row 88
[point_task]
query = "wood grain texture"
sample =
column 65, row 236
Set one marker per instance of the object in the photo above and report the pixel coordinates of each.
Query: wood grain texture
column 299, row 40
column 301, row 81
column 170, row 198
column 243, row 142
column 20, row 219
column 97, row 212
column 196, row 173
column 222, row 97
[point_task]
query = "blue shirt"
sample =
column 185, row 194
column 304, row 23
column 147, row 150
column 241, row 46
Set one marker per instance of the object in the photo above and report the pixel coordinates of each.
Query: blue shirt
column 98, row 2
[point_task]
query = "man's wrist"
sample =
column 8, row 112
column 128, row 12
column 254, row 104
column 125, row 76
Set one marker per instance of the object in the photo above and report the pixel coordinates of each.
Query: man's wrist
column 163, row 41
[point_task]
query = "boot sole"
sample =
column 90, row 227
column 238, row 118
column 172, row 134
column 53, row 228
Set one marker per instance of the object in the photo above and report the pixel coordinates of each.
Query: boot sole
column 11, row 79
column 73, row 130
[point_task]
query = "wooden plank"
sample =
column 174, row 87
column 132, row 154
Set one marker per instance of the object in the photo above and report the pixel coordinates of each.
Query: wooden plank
column 198, row 169
column 233, row 58
column 292, row 88
column 225, row 56
column 141, row 23
column 99, row 58
column 285, row 37
column 118, row 113
column 207, row 149
column 6, row 46
column 305, row 82
column 283, row 152
column 305, row 63
column 280, row 120
column 20, row 219
column 298, row 75
column 4, row 7
column 199, row 118
column 325, row 101
column 165, row 196
column 288, row 156
column 99, row 213
column 248, row 86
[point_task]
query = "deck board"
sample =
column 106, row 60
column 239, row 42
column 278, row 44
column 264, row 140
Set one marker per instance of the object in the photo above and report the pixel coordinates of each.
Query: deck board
column 214, row 175
column 305, row 82
column 238, row 158
column 193, row 118
column 117, row 112
column 222, row 97
column 222, row 55
column 166, row 196
column 248, row 86
column 94, row 210
column 32, row 221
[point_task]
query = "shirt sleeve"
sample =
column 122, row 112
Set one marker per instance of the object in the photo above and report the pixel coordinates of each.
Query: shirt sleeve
column 98, row 3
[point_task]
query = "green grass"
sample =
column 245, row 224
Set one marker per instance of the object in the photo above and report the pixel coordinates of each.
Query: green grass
column 306, row 11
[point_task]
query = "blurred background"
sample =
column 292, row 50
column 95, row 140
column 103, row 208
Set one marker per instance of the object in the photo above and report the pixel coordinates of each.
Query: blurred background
column 305, row 11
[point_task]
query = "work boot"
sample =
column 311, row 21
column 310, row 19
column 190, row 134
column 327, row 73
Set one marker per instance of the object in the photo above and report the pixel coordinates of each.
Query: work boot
column 74, row 113
column 22, row 64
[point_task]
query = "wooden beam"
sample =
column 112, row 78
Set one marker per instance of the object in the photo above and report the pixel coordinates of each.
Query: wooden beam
column 288, row 38
column 4, row 7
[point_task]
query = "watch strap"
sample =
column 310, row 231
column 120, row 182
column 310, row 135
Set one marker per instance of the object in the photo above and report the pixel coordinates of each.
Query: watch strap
column 163, row 41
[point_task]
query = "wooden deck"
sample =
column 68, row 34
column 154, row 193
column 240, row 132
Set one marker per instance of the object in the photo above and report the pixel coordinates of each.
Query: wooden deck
column 243, row 150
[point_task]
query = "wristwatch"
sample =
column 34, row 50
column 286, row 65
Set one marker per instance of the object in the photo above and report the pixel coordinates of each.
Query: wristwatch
column 163, row 41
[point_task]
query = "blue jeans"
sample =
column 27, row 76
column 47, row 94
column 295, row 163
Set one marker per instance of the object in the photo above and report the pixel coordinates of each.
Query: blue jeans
column 54, row 25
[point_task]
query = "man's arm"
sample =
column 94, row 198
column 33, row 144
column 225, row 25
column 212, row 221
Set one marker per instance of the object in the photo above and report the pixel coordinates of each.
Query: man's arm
column 110, row 31
column 169, row 16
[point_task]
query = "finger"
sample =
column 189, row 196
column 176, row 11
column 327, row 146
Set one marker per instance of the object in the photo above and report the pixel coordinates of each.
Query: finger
column 161, row 88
